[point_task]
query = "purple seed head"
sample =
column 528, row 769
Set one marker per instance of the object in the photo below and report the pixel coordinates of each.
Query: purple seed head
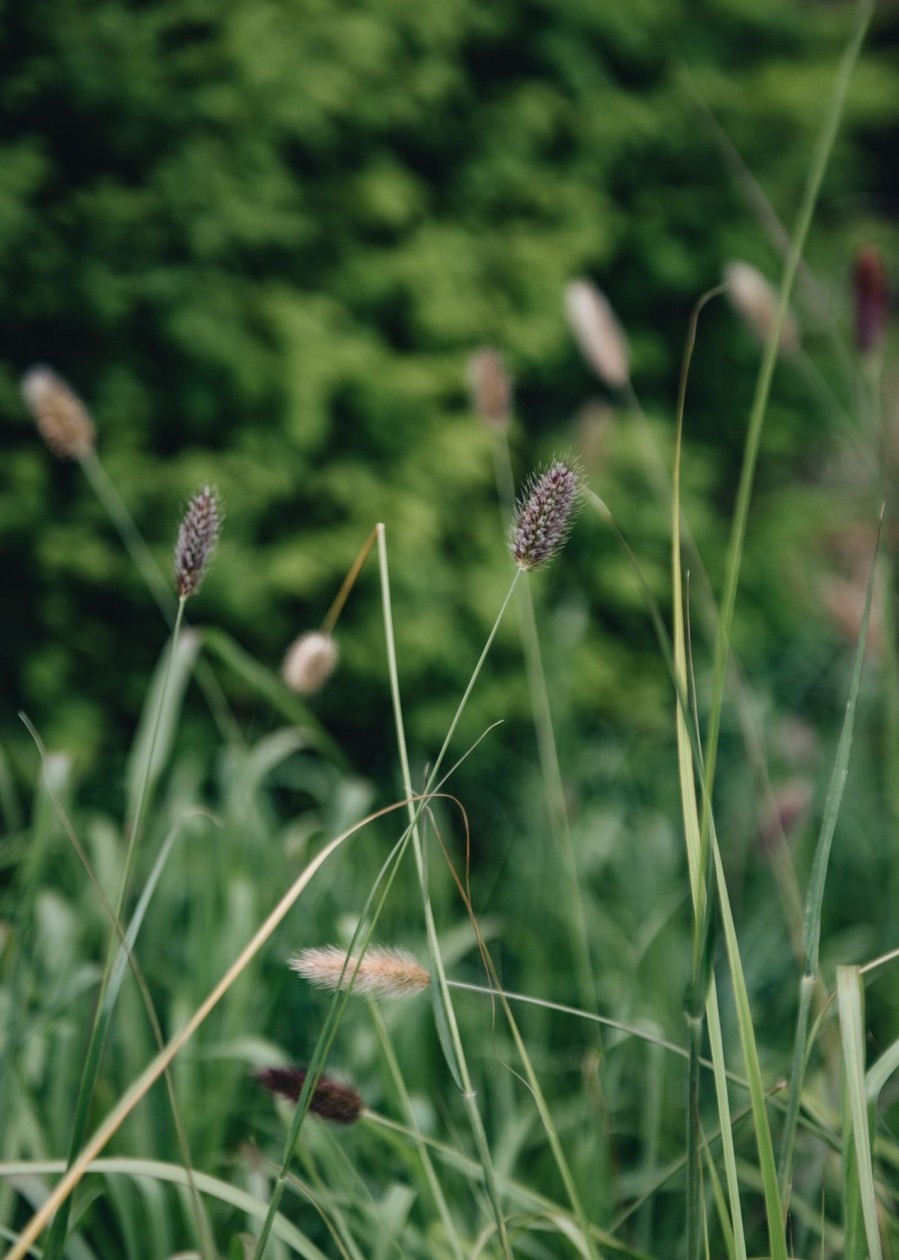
column 872, row 302
column 197, row 540
column 544, row 515
column 330, row 1100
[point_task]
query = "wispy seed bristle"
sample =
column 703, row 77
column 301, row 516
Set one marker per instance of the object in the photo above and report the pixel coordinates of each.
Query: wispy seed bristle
column 341, row 1104
column 383, row 972
column 60, row 415
column 197, row 540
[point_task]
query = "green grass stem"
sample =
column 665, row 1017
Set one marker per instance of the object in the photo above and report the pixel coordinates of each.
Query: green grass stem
column 815, row 900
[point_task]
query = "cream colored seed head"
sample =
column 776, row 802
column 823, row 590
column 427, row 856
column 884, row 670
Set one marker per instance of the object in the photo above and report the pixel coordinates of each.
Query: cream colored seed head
column 755, row 301
column 597, row 333
column 310, row 662
column 60, row 415
column 383, row 972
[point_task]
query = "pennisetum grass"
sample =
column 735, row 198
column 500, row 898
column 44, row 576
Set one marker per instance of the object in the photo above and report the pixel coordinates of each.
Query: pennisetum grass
column 539, row 528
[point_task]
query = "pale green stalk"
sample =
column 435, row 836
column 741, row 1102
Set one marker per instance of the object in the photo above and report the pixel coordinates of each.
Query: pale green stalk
column 421, row 1148
column 546, row 745
column 702, row 991
column 815, row 900
column 832, row 115
column 546, row 1119
column 445, row 1015
column 849, row 999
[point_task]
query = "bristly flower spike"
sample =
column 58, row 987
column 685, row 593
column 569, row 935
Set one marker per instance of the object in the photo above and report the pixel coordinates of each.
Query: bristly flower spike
column 544, row 515
column 383, row 972
column 60, row 415
column 332, row 1101
column 197, row 540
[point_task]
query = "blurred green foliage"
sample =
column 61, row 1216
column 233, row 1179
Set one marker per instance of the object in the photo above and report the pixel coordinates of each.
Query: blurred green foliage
column 261, row 239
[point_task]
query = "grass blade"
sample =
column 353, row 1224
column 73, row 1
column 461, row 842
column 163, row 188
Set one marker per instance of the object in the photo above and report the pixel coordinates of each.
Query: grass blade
column 849, row 1002
column 815, row 897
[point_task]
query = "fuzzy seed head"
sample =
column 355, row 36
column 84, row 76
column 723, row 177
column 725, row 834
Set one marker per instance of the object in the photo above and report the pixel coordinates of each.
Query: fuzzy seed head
column 871, row 296
column 597, row 333
column 787, row 811
column 310, row 662
column 60, row 415
column 755, row 301
column 197, row 540
column 383, row 973
column 491, row 387
column 544, row 515
column 332, row 1101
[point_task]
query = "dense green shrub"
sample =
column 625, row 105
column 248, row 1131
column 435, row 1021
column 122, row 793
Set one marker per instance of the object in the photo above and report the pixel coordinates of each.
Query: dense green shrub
column 261, row 240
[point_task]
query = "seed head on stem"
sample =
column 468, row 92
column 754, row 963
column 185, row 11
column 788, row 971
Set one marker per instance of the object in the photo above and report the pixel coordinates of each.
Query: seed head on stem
column 871, row 299
column 197, row 540
column 597, row 332
column 756, row 302
column 491, row 387
column 544, row 514
column 383, row 972
column 332, row 1101
column 310, row 662
column 60, row 415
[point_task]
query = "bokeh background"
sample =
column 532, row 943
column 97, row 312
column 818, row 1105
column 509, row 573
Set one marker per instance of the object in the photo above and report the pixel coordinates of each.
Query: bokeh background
column 262, row 238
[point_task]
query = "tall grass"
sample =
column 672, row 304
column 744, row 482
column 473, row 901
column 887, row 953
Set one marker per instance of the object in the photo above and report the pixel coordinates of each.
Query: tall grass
column 152, row 947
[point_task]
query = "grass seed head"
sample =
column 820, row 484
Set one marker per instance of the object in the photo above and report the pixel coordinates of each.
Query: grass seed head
column 787, row 812
column 491, row 387
column 60, row 415
column 756, row 301
column 871, row 299
column 341, row 1104
column 597, row 333
column 383, row 973
column 310, row 662
column 197, row 540
column 544, row 515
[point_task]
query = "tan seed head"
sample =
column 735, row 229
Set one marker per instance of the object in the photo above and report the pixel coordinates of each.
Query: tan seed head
column 491, row 387
column 597, row 333
column 60, row 415
column 755, row 301
column 383, row 972
column 310, row 662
